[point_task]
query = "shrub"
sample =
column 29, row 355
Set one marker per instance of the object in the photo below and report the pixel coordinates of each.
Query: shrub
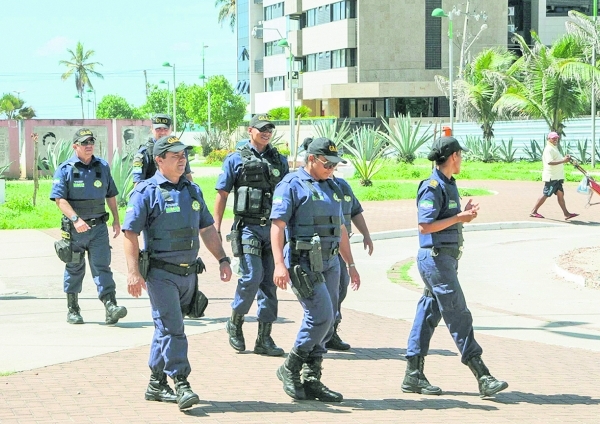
column 283, row 113
column 217, row 156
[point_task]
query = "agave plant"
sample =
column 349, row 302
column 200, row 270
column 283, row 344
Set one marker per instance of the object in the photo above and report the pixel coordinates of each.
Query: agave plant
column 57, row 154
column 506, row 152
column 329, row 129
column 404, row 138
column 4, row 168
column 366, row 147
column 121, row 170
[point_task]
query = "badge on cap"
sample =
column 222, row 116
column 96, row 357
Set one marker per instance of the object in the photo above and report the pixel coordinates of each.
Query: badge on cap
column 84, row 132
column 172, row 140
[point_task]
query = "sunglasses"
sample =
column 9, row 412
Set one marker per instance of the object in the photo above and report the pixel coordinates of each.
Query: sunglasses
column 89, row 142
column 265, row 129
column 327, row 164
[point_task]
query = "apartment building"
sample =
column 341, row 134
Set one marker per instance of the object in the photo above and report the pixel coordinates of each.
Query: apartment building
column 369, row 58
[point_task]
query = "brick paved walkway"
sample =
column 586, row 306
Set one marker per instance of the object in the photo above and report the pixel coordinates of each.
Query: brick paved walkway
column 547, row 383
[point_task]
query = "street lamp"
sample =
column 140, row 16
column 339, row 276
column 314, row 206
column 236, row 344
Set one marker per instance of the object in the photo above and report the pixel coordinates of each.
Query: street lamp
column 439, row 13
column 18, row 92
column 168, row 65
column 168, row 90
column 89, row 90
column 285, row 43
column 203, row 76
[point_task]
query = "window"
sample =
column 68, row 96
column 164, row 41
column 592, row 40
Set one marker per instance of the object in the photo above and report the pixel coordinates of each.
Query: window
column 433, row 36
column 274, row 84
column 273, row 11
column 562, row 7
column 342, row 58
column 272, row 48
column 331, row 13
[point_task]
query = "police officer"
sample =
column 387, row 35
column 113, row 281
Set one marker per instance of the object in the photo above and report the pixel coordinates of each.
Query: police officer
column 171, row 212
column 81, row 187
column 252, row 172
column 308, row 202
column 143, row 161
column 440, row 237
column 353, row 213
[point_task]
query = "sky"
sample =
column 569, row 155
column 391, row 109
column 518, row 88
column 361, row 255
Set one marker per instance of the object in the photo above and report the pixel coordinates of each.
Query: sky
column 128, row 37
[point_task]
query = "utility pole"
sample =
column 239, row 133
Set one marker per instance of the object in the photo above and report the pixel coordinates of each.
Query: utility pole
column 146, row 84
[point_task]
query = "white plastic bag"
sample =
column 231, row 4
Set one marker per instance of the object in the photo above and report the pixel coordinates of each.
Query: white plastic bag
column 583, row 187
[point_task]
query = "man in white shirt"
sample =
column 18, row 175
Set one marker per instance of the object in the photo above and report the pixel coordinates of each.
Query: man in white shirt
column 553, row 176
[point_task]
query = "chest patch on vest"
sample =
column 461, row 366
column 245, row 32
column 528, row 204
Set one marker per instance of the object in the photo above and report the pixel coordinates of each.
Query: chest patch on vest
column 276, row 172
column 347, row 199
column 78, row 184
column 426, row 204
column 452, row 204
column 172, row 209
column 433, row 183
column 196, row 205
column 97, row 183
column 336, row 198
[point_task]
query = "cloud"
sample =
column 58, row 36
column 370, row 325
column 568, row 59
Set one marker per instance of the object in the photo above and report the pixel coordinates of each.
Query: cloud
column 53, row 46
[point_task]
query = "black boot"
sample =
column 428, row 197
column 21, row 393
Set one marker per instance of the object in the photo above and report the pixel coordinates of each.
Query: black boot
column 159, row 390
column 234, row 329
column 336, row 343
column 113, row 312
column 289, row 374
column 73, row 316
column 314, row 389
column 186, row 398
column 264, row 343
column 415, row 380
column 488, row 385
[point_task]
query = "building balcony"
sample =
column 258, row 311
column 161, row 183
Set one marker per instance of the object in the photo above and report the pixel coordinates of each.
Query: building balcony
column 332, row 36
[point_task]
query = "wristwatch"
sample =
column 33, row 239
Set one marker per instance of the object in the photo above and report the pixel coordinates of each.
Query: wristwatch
column 225, row 259
column 74, row 218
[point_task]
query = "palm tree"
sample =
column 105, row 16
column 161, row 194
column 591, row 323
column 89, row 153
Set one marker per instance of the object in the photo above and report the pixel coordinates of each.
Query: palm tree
column 482, row 85
column 79, row 66
column 549, row 83
column 14, row 108
column 226, row 12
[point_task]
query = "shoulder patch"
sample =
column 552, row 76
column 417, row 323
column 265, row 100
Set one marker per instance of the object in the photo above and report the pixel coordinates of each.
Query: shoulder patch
column 433, row 183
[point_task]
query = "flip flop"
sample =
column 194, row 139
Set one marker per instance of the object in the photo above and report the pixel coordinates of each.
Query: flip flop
column 537, row 215
column 571, row 215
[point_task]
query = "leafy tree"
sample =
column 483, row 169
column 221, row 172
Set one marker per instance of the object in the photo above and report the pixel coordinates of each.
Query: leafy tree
column 14, row 107
column 113, row 106
column 227, row 108
column 550, row 83
column 226, row 12
column 80, row 66
column 159, row 101
column 481, row 87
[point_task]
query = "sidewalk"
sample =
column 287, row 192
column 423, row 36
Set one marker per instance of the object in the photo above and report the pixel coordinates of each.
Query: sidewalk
column 527, row 319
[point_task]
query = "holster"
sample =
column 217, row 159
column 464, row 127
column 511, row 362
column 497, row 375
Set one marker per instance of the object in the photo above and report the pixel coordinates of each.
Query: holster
column 198, row 304
column 144, row 263
column 64, row 246
column 315, row 255
column 235, row 238
column 302, row 285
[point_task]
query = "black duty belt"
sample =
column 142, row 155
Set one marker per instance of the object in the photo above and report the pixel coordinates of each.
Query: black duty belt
column 264, row 221
column 181, row 269
column 96, row 221
column 455, row 252
column 325, row 253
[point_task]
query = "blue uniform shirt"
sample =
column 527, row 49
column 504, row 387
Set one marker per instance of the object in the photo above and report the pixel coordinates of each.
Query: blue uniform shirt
column 350, row 204
column 437, row 199
column 144, row 166
column 294, row 202
column 147, row 203
column 87, row 186
column 232, row 168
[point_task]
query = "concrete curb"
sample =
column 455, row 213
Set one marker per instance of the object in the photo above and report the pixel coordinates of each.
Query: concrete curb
column 569, row 276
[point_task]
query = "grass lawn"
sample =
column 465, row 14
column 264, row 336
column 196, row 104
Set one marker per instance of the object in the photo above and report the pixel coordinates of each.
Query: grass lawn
column 394, row 181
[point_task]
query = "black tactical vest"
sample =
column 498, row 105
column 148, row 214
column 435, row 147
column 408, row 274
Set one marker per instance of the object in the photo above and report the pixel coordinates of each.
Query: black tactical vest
column 255, row 185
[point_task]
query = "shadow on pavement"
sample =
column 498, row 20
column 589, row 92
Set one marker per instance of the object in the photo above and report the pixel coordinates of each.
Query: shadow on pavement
column 546, row 328
column 345, row 407
column 378, row 353
column 514, row 398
